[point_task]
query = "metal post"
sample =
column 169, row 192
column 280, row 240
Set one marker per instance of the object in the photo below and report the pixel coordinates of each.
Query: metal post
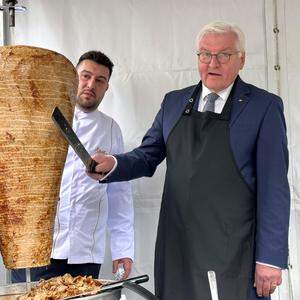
column 6, row 28
column 9, row 9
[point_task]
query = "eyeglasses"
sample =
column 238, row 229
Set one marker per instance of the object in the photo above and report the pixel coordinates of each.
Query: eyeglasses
column 222, row 57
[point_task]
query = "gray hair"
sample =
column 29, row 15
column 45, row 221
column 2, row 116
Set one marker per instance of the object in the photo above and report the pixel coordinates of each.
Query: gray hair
column 221, row 28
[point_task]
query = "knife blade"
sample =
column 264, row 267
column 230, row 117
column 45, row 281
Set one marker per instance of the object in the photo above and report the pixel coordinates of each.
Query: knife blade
column 68, row 133
column 213, row 285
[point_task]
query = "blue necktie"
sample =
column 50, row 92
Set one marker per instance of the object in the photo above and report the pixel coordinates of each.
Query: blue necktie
column 210, row 102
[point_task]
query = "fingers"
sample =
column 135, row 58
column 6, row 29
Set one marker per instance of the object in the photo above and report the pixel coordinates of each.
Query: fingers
column 273, row 288
column 115, row 265
column 105, row 164
column 264, row 288
column 126, row 263
column 266, row 280
column 127, row 268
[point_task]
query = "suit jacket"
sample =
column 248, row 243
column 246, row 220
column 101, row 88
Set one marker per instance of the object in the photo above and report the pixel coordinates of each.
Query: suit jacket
column 259, row 146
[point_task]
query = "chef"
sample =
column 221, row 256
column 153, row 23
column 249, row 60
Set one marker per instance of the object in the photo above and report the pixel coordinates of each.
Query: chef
column 86, row 209
column 225, row 205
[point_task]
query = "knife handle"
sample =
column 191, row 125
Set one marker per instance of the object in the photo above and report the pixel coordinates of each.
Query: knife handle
column 119, row 284
column 139, row 290
column 92, row 168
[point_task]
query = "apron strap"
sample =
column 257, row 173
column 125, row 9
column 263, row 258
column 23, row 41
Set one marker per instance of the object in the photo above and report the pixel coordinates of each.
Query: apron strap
column 189, row 107
column 226, row 112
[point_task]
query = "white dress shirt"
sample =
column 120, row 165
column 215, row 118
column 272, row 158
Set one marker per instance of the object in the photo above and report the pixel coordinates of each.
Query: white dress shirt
column 86, row 208
column 220, row 102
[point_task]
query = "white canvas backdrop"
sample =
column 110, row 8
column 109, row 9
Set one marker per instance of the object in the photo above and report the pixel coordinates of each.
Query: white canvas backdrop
column 152, row 46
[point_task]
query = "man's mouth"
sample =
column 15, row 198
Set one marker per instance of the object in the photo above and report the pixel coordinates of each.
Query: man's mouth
column 214, row 74
column 88, row 93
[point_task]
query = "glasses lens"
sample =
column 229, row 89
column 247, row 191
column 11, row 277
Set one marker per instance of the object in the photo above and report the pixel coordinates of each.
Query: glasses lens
column 205, row 57
column 223, row 57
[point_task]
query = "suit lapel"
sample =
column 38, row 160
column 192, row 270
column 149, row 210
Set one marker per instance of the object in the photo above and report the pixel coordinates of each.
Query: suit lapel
column 240, row 99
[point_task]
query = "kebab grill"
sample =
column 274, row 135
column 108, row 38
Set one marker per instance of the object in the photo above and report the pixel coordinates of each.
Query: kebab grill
column 32, row 152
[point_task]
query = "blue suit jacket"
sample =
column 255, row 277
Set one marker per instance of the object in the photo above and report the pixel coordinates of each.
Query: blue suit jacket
column 259, row 146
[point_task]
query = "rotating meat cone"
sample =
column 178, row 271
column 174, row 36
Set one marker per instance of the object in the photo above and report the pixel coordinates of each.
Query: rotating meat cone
column 32, row 152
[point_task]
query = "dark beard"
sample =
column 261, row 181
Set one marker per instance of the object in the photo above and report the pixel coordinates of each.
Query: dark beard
column 87, row 107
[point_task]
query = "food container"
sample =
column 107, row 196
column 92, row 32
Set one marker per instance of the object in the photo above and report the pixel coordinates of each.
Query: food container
column 109, row 291
column 13, row 291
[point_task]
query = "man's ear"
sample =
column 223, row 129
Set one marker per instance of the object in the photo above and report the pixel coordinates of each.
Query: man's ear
column 243, row 58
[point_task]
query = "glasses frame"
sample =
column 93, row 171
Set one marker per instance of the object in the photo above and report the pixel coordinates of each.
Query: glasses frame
column 216, row 55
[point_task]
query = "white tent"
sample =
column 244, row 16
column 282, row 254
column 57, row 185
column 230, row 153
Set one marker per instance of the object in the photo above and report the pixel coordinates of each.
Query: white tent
column 152, row 45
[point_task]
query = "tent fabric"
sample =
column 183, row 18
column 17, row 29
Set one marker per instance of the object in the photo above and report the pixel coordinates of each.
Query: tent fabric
column 152, row 46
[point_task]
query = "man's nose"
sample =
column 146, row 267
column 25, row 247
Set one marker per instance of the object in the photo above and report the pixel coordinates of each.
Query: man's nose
column 214, row 62
column 91, row 83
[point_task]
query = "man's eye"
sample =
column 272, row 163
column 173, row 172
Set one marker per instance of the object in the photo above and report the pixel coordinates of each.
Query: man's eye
column 100, row 81
column 223, row 55
column 206, row 54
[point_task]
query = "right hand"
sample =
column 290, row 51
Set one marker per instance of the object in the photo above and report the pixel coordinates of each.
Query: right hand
column 105, row 164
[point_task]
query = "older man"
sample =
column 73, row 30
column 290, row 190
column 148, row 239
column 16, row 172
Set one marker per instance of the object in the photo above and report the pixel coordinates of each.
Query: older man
column 226, row 197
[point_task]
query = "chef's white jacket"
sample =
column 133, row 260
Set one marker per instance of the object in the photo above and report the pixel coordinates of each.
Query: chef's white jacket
column 86, row 208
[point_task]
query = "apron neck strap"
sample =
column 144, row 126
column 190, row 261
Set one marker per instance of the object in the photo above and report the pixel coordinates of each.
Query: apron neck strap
column 225, row 114
column 189, row 107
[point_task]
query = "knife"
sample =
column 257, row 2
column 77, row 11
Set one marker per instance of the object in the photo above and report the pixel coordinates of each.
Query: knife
column 213, row 285
column 68, row 133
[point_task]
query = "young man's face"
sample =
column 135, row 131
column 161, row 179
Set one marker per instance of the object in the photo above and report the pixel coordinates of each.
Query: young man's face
column 214, row 75
column 93, row 83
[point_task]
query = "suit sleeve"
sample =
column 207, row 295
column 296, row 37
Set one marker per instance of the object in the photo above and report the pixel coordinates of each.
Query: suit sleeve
column 143, row 160
column 120, row 209
column 273, row 195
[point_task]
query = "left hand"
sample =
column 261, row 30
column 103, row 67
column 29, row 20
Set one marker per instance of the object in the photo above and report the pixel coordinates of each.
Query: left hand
column 266, row 279
column 127, row 264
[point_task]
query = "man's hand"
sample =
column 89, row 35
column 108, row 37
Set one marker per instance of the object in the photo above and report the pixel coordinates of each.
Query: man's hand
column 266, row 280
column 105, row 165
column 126, row 262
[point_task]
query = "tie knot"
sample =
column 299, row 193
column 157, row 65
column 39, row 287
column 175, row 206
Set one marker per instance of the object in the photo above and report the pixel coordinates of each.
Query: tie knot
column 210, row 102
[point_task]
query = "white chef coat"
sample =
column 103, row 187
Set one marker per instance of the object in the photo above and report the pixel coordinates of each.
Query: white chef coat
column 86, row 208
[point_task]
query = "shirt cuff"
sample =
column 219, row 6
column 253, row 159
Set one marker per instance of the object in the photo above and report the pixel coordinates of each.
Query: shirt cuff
column 268, row 265
column 110, row 172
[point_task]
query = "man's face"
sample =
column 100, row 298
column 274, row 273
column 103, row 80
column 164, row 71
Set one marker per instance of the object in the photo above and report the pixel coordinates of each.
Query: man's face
column 214, row 75
column 93, row 83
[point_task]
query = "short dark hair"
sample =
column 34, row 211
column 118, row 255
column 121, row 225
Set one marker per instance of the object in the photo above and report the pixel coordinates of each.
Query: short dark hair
column 99, row 58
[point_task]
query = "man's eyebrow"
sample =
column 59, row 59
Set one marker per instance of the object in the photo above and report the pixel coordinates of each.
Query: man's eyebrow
column 85, row 71
column 98, row 77
column 223, row 50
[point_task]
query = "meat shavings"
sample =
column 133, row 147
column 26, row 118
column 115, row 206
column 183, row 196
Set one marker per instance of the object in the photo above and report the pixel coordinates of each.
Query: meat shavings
column 62, row 287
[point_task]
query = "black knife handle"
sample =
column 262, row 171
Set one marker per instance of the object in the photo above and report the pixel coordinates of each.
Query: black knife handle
column 139, row 290
column 119, row 284
column 92, row 168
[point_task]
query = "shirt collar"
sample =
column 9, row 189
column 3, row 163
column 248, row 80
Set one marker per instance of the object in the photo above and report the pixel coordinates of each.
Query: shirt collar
column 80, row 114
column 224, row 94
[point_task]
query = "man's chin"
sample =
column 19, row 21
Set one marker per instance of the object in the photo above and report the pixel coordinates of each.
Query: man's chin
column 87, row 107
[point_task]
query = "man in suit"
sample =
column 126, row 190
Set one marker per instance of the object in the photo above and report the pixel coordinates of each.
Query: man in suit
column 225, row 205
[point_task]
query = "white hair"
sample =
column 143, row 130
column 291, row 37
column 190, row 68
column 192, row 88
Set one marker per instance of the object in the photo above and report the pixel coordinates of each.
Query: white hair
column 221, row 28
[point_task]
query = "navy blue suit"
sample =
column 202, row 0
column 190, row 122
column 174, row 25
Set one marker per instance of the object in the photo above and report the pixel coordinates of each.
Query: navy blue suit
column 259, row 146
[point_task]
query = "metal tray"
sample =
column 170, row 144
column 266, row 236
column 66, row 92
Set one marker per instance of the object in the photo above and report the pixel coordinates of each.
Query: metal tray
column 14, row 290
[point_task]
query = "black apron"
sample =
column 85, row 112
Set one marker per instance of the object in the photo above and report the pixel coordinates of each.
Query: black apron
column 207, row 217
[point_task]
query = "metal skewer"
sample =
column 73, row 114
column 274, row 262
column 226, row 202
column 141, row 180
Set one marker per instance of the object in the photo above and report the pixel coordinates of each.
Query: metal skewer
column 28, row 279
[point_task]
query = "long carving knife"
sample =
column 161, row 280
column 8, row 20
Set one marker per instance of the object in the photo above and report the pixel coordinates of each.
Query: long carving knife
column 213, row 285
column 68, row 133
